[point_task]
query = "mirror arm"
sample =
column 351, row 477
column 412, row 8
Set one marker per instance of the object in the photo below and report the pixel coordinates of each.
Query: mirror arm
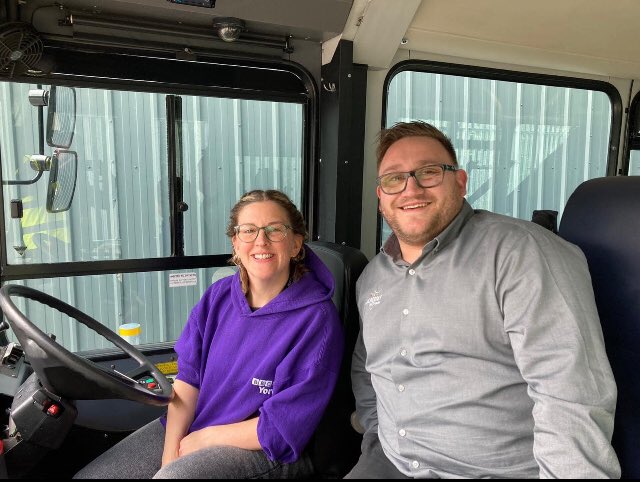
column 23, row 183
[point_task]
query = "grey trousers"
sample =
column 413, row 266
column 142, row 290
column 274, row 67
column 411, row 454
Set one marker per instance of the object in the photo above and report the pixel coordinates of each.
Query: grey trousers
column 139, row 456
column 373, row 463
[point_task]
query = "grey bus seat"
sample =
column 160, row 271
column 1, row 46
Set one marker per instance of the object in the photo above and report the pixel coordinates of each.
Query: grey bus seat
column 335, row 446
column 602, row 217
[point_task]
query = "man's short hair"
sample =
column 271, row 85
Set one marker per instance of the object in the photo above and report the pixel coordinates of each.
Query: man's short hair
column 400, row 130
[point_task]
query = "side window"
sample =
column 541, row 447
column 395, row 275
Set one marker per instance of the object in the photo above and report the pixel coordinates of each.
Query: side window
column 120, row 184
column 524, row 146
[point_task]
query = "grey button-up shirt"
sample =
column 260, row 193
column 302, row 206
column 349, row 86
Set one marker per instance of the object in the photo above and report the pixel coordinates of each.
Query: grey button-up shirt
column 485, row 357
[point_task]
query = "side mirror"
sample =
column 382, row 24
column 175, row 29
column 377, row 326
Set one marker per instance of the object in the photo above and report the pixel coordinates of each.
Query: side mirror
column 62, row 180
column 61, row 117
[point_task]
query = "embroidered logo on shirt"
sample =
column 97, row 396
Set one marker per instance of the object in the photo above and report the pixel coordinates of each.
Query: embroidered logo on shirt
column 264, row 386
column 374, row 299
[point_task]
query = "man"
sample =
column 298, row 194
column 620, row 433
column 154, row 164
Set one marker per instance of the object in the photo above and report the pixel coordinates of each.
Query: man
column 480, row 352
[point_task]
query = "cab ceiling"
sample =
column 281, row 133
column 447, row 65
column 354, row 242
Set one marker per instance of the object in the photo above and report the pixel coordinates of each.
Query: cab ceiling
column 588, row 36
column 592, row 37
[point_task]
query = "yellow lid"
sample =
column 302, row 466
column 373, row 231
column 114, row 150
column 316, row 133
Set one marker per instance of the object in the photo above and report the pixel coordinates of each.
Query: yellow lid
column 129, row 329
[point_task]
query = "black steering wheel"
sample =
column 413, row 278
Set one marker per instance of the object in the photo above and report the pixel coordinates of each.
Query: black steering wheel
column 73, row 377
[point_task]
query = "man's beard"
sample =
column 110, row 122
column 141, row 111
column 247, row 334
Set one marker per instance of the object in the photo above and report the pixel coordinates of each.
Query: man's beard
column 438, row 223
column 415, row 238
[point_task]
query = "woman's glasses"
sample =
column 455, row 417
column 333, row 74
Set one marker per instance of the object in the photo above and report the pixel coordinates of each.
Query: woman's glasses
column 248, row 233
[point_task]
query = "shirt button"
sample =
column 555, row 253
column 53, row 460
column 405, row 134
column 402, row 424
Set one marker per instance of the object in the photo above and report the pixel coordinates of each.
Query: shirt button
column 412, row 272
column 402, row 432
column 401, row 388
column 415, row 464
column 403, row 352
column 405, row 311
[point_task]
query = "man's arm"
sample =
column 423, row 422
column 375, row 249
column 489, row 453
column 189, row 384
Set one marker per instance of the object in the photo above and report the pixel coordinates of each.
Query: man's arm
column 551, row 318
column 366, row 410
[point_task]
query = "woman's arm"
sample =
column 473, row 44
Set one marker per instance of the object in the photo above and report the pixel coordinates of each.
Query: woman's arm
column 179, row 417
column 243, row 435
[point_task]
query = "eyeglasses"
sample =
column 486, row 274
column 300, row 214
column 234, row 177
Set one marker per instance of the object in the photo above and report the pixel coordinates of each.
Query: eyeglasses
column 427, row 176
column 248, row 233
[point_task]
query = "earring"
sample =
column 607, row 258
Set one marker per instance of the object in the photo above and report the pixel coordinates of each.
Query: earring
column 236, row 259
column 300, row 256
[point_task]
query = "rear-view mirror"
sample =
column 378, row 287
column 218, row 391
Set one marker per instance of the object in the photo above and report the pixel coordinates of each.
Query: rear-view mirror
column 62, row 180
column 61, row 117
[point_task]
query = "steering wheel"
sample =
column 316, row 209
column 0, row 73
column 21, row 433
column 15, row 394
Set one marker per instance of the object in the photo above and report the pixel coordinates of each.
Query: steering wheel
column 71, row 376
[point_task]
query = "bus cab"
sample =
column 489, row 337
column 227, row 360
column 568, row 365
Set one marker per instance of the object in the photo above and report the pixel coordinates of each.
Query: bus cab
column 129, row 128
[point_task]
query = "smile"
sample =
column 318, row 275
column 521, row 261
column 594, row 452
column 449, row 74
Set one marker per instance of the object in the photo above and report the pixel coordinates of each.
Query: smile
column 263, row 256
column 414, row 206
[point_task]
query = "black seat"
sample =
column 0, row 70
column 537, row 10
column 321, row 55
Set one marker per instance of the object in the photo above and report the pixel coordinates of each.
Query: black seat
column 602, row 217
column 335, row 446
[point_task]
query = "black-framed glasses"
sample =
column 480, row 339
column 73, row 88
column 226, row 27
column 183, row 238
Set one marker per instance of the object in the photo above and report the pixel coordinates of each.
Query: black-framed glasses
column 248, row 233
column 427, row 176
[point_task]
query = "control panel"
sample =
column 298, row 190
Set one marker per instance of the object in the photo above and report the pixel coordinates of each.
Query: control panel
column 149, row 383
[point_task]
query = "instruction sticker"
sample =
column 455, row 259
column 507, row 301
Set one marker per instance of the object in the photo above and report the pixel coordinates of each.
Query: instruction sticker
column 168, row 368
column 182, row 279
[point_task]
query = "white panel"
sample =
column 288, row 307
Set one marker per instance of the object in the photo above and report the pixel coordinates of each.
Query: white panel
column 380, row 30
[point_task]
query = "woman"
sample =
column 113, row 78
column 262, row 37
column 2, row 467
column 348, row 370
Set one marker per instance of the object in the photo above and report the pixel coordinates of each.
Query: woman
column 257, row 362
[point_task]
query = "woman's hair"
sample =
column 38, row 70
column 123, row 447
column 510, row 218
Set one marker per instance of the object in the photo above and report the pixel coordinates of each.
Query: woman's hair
column 400, row 130
column 295, row 220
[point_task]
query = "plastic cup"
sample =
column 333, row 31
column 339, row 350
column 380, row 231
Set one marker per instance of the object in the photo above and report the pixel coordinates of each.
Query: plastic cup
column 130, row 332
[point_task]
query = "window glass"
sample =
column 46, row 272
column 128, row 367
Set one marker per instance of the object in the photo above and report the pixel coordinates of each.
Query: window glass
column 120, row 196
column 525, row 147
column 232, row 146
column 120, row 206
column 159, row 301
column 634, row 163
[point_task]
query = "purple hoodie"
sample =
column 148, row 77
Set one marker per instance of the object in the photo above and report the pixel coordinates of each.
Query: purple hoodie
column 280, row 362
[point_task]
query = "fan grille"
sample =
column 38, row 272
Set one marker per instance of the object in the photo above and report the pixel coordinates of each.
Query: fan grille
column 20, row 49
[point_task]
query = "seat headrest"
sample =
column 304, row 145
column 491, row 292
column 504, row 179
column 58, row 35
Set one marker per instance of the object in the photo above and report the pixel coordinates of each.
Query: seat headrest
column 603, row 212
column 602, row 217
column 346, row 264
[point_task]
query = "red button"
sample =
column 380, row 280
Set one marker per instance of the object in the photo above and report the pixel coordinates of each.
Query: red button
column 152, row 385
column 53, row 410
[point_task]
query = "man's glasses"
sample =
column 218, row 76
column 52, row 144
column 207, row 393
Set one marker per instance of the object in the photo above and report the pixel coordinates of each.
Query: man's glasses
column 248, row 233
column 427, row 176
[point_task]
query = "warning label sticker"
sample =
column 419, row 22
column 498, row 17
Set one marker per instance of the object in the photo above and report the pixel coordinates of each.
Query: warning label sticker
column 168, row 368
column 182, row 279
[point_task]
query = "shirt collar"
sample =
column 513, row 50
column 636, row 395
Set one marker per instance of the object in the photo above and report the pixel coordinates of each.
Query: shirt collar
column 391, row 246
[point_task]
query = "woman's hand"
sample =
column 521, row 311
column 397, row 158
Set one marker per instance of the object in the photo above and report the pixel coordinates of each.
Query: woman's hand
column 206, row 437
column 180, row 416
column 243, row 435
column 169, row 456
